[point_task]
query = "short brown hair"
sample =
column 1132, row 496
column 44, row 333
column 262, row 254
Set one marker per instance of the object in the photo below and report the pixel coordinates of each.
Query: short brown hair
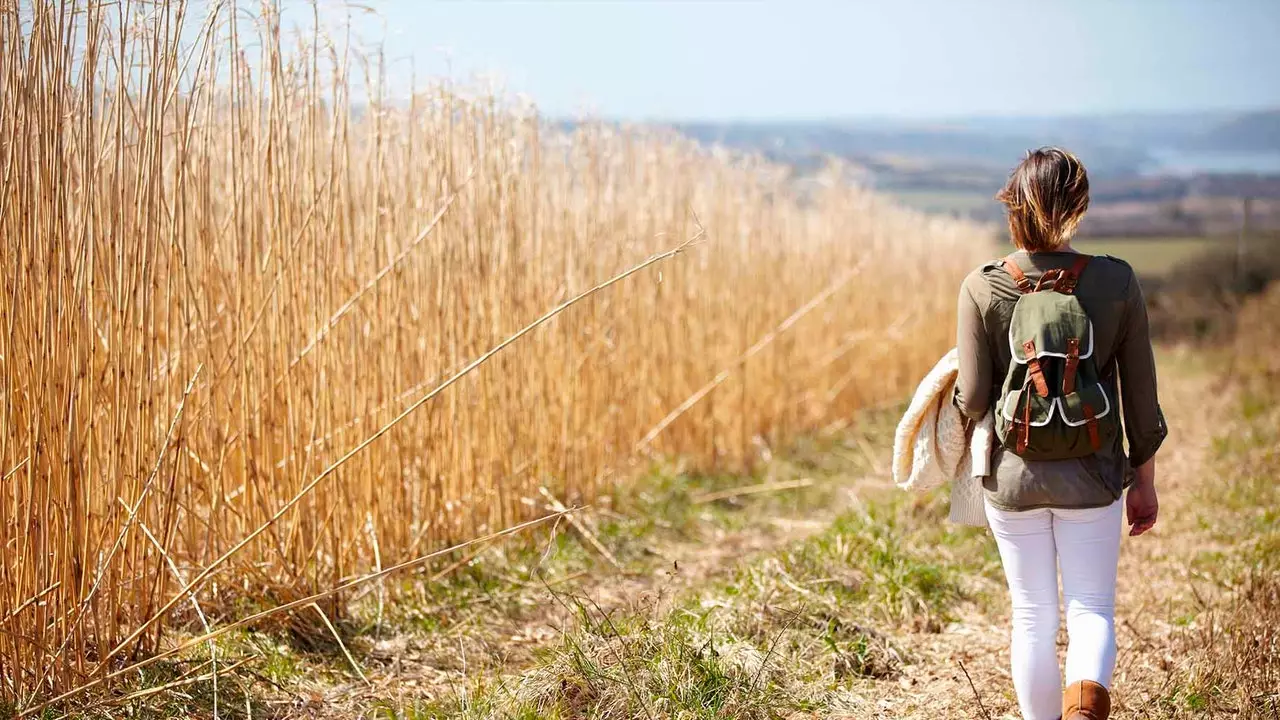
column 1045, row 198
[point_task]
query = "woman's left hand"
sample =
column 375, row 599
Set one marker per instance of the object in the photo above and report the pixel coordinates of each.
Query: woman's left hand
column 1142, row 505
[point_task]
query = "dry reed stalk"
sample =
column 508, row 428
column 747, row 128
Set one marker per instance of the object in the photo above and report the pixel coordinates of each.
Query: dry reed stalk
column 742, row 359
column 310, row 486
column 175, row 684
column 277, row 610
column 756, row 489
column 181, row 187
column 588, row 537
column 341, row 645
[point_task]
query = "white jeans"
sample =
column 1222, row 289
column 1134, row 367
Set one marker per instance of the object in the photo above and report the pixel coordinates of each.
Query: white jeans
column 1086, row 546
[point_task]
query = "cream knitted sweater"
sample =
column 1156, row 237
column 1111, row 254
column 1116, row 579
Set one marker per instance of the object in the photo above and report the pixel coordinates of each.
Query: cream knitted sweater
column 932, row 446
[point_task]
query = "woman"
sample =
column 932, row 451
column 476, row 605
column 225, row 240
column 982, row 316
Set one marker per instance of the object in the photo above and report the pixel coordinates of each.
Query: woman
column 1064, row 511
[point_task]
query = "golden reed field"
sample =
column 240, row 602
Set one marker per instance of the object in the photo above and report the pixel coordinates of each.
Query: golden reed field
column 266, row 329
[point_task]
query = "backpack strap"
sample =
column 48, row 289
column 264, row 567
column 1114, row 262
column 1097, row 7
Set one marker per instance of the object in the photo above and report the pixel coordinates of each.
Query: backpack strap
column 1064, row 281
column 1034, row 371
column 1049, row 277
column 1069, row 371
column 1019, row 278
column 1091, row 422
column 1067, row 281
column 1023, row 429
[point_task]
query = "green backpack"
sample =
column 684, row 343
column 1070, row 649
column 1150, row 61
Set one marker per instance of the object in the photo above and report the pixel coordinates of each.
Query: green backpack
column 1053, row 405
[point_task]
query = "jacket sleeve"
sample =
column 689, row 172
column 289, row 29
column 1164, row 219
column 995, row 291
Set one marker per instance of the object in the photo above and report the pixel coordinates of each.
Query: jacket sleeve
column 973, row 384
column 1143, row 420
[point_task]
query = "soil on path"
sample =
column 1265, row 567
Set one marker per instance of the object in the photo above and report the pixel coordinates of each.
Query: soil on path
column 946, row 671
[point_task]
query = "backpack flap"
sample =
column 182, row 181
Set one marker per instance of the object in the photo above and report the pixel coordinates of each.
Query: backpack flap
column 1089, row 401
column 1014, row 407
column 1025, row 413
column 1089, row 408
column 1051, row 322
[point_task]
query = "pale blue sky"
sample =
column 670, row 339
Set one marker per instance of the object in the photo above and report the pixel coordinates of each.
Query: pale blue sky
column 819, row 60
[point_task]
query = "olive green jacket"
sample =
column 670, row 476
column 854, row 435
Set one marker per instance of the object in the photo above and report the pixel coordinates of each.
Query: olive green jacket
column 1110, row 294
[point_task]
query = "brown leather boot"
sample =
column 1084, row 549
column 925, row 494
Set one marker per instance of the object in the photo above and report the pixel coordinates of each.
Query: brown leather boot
column 1086, row 700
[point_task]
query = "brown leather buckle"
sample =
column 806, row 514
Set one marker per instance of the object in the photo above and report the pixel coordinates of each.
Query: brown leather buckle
column 1019, row 278
column 1073, row 360
column 1049, row 277
column 1066, row 284
column 1034, row 371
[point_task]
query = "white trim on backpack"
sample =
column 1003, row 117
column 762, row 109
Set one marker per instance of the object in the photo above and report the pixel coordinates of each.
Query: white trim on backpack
column 1047, row 418
column 1057, row 405
column 1021, row 359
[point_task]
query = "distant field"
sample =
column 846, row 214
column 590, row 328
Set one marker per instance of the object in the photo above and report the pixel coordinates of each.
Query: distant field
column 1152, row 256
column 946, row 202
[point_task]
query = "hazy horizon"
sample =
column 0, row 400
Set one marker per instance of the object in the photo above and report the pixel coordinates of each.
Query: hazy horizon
column 929, row 60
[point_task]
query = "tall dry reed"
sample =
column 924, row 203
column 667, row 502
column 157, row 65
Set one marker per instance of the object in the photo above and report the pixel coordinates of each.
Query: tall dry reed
column 229, row 259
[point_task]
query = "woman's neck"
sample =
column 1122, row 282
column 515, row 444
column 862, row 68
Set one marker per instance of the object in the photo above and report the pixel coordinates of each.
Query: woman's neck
column 1064, row 248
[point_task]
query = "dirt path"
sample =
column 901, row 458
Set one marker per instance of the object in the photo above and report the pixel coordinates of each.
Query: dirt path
column 407, row 671
column 1158, row 586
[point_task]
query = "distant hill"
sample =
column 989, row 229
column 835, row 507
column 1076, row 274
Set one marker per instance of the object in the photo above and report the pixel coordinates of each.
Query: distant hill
column 1112, row 146
column 893, row 143
column 1151, row 174
column 1165, row 188
column 1250, row 132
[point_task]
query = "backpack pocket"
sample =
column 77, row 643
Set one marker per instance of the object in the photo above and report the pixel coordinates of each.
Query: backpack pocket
column 1024, row 407
column 1088, row 401
column 1057, row 428
column 1015, row 407
column 1089, row 417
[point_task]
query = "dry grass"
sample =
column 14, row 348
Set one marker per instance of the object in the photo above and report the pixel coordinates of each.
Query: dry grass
column 1231, row 659
column 1232, row 662
column 823, row 626
column 1212, row 648
column 235, row 271
column 889, row 612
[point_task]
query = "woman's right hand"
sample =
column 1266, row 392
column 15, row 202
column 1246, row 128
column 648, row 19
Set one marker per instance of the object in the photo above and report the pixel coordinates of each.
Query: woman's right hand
column 1142, row 506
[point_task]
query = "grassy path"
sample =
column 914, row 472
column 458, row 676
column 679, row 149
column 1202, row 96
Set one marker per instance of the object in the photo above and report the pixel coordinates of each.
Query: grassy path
column 821, row 592
column 880, row 614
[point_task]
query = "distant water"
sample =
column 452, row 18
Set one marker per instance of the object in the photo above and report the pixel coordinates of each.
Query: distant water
column 1180, row 162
